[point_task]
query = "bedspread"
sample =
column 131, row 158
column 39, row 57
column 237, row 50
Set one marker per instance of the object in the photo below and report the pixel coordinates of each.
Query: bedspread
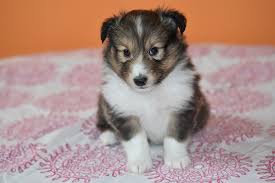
column 47, row 120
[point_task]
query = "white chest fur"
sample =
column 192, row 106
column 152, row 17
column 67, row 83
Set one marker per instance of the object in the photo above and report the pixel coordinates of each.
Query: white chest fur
column 153, row 107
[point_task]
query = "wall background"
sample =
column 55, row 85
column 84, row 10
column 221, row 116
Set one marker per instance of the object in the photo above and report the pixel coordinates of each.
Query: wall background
column 31, row 26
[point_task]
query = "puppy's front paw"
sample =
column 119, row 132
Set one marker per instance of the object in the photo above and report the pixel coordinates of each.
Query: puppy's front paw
column 138, row 153
column 177, row 163
column 140, row 165
column 175, row 153
column 108, row 138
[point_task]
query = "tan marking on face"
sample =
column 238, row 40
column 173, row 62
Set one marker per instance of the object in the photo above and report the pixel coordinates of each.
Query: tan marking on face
column 168, row 63
column 115, row 65
column 154, row 40
column 127, row 42
column 158, row 45
column 121, row 47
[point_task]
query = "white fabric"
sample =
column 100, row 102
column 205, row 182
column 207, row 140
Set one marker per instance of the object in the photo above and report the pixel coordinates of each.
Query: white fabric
column 47, row 120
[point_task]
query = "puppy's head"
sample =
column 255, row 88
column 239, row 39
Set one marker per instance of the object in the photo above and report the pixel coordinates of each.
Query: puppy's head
column 144, row 46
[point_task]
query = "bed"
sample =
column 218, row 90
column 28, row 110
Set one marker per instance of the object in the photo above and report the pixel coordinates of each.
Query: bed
column 47, row 120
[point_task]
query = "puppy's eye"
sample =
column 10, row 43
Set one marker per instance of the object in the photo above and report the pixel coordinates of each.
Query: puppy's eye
column 126, row 53
column 153, row 51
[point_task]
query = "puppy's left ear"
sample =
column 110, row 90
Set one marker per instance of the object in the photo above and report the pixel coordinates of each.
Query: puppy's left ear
column 106, row 26
column 173, row 15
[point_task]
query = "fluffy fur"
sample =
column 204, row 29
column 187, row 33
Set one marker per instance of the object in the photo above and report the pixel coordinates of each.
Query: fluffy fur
column 150, row 88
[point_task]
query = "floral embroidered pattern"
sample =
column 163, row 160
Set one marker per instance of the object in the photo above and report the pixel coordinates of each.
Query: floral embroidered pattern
column 83, row 163
column 214, row 166
column 227, row 130
column 19, row 157
column 237, row 100
column 266, row 168
column 251, row 73
column 89, row 128
column 271, row 131
column 87, row 75
column 36, row 127
column 246, row 52
column 28, row 72
column 72, row 101
column 10, row 98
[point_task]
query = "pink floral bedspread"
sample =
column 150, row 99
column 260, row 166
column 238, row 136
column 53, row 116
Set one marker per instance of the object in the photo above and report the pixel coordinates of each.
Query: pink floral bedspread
column 47, row 120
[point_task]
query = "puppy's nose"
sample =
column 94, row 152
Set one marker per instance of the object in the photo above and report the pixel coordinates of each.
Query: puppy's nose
column 140, row 80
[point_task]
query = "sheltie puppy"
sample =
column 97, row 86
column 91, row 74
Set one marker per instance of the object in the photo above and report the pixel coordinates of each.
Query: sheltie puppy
column 150, row 91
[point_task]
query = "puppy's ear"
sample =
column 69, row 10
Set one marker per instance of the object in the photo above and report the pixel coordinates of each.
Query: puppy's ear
column 174, row 17
column 106, row 26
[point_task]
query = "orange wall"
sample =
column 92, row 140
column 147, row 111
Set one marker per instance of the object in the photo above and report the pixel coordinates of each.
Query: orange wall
column 28, row 26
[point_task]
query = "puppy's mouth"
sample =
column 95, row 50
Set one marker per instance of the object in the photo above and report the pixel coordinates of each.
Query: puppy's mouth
column 142, row 89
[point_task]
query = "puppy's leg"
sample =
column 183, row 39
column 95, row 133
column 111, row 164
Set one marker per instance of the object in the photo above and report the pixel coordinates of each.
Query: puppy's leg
column 107, row 136
column 135, row 143
column 176, row 142
column 183, row 124
column 133, row 137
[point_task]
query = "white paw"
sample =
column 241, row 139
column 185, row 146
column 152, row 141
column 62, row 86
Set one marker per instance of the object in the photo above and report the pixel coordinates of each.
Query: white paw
column 140, row 165
column 138, row 153
column 175, row 153
column 108, row 138
column 177, row 163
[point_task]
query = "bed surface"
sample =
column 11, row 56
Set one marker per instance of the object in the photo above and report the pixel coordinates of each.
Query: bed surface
column 47, row 120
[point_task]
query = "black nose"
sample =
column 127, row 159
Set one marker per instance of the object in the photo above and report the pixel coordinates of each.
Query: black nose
column 140, row 80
